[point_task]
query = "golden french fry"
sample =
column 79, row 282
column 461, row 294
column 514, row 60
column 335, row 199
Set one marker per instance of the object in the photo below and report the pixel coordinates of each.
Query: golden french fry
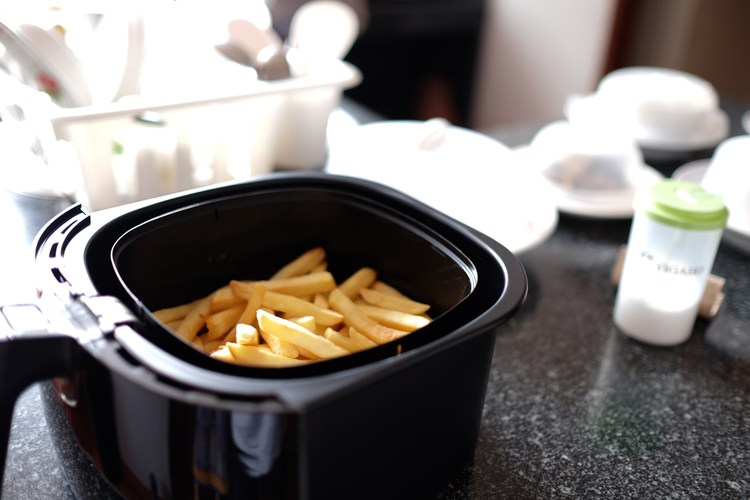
column 254, row 302
column 295, row 334
column 360, row 340
column 212, row 345
column 308, row 284
column 320, row 300
column 382, row 287
column 323, row 266
column 277, row 345
column 306, row 322
column 387, row 301
column 223, row 354
column 174, row 325
column 220, row 323
column 223, row 298
column 194, row 321
column 293, row 312
column 361, row 279
column 231, row 336
column 304, row 352
column 298, row 307
column 257, row 356
column 394, row 319
column 301, row 265
column 340, row 340
column 246, row 335
column 353, row 317
column 172, row 314
column 197, row 342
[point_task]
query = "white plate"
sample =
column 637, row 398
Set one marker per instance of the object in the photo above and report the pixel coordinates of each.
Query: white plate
column 594, row 204
column 692, row 171
column 617, row 205
column 737, row 233
column 468, row 176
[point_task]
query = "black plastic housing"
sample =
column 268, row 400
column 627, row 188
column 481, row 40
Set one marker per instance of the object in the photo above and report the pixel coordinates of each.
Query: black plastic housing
column 161, row 419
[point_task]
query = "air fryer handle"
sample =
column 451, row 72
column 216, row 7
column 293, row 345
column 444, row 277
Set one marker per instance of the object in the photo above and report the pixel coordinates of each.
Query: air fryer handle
column 28, row 353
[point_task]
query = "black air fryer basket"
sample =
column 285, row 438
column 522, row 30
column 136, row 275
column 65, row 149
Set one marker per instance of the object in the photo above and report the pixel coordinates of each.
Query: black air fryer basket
column 160, row 419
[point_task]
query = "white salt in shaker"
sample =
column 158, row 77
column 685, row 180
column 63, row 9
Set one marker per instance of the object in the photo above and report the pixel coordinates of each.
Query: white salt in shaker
column 673, row 241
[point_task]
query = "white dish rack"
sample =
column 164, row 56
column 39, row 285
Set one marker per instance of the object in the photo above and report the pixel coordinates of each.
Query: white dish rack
column 277, row 124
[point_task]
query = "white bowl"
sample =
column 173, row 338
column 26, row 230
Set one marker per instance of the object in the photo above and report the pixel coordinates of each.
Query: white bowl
column 467, row 175
column 728, row 175
column 593, row 172
column 661, row 109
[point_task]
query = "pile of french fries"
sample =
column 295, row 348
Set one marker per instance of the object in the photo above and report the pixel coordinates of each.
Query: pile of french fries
column 299, row 315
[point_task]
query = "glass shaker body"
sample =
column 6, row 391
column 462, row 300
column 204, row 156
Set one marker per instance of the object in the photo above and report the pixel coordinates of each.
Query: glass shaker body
column 667, row 264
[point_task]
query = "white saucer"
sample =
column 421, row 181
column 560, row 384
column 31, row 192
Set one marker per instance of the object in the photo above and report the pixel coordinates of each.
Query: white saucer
column 711, row 132
column 615, row 204
column 737, row 232
column 465, row 175
column 692, row 171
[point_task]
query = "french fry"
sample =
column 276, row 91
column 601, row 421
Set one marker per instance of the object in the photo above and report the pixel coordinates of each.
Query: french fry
column 323, row 266
column 254, row 302
column 308, row 284
column 223, row 298
column 212, row 345
column 360, row 340
column 353, row 317
column 220, row 323
column 388, row 301
column 394, row 319
column 174, row 325
column 278, row 346
column 298, row 316
column 223, row 354
column 304, row 352
column 301, row 265
column 340, row 340
column 246, row 334
column 295, row 334
column 382, row 287
column 306, row 322
column 363, row 278
column 172, row 314
column 257, row 356
column 194, row 321
column 321, row 301
column 298, row 307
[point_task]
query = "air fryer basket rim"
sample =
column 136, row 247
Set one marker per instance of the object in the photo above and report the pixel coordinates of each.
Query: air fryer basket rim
column 494, row 253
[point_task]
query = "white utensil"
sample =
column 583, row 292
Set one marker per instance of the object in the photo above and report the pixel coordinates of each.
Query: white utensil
column 263, row 47
column 110, row 45
column 46, row 63
column 323, row 30
column 60, row 59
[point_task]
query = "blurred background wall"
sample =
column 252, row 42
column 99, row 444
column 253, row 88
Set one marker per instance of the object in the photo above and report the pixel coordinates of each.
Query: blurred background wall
column 536, row 52
column 508, row 63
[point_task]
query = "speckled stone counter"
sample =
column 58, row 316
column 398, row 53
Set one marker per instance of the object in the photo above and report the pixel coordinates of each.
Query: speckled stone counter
column 574, row 409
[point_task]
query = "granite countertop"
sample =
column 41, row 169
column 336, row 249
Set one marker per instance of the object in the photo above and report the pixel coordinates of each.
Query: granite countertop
column 574, row 409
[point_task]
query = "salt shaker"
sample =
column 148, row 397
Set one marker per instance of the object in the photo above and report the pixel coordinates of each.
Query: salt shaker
column 673, row 241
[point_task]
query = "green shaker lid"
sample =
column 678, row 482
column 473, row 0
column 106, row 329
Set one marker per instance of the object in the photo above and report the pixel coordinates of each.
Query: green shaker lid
column 682, row 204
